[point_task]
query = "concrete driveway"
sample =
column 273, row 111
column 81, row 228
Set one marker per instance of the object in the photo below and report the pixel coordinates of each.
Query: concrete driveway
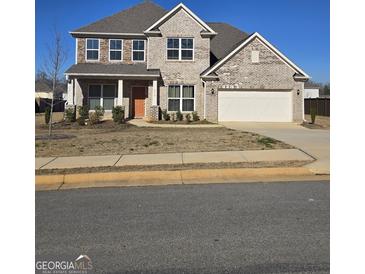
column 315, row 142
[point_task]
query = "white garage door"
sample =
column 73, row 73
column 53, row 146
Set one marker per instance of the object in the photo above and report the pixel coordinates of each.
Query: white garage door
column 255, row 106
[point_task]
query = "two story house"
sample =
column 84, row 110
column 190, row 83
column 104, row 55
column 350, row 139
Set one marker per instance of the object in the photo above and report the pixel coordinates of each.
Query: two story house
column 148, row 59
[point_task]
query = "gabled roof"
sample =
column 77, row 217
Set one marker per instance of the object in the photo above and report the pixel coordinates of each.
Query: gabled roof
column 133, row 20
column 245, row 42
column 172, row 12
column 97, row 69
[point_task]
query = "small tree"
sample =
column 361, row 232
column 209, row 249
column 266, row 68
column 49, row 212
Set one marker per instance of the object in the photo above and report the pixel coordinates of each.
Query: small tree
column 57, row 57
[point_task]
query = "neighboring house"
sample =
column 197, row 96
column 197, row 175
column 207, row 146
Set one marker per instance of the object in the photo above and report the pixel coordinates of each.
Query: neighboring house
column 311, row 90
column 148, row 59
column 43, row 96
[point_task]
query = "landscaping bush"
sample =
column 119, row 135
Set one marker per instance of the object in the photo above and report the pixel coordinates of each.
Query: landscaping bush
column 84, row 115
column 96, row 116
column 70, row 115
column 179, row 116
column 99, row 112
column 165, row 115
column 313, row 112
column 195, row 116
column 173, row 117
column 188, row 118
column 47, row 115
column 118, row 114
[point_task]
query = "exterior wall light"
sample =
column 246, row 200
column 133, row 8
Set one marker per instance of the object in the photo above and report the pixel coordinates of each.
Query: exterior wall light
column 298, row 92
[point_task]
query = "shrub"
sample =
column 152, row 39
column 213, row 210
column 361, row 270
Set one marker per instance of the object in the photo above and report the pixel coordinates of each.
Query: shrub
column 94, row 118
column 188, row 118
column 195, row 116
column 70, row 115
column 313, row 112
column 118, row 114
column 47, row 114
column 84, row 114
column 165, row 115
column 179, row 116
column 99, row 111
column 173, row 117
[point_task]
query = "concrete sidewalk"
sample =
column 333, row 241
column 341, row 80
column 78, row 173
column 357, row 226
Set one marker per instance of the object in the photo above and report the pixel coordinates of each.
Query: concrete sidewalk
column 172, row 159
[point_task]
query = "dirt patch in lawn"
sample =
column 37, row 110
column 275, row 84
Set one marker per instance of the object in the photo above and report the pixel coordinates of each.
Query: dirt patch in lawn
column 108, row 138
column 173, row 167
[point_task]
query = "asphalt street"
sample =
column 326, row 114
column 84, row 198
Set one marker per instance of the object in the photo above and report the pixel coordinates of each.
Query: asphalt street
column 217, row 228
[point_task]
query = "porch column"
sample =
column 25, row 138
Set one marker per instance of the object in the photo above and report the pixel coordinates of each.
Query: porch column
column 70, row 92
column 154, row 93
column 78, row 97
column 120, row 93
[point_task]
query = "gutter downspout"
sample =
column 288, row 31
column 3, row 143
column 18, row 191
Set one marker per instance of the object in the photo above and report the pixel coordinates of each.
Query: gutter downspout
column 205, row 99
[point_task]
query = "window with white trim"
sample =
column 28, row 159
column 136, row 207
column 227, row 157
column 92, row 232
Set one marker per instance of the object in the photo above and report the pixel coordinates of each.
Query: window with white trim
column 180, row 49
column 181, row 98
column 92, row 49
column 138, row 49
column 102, row 95
column 115, row 49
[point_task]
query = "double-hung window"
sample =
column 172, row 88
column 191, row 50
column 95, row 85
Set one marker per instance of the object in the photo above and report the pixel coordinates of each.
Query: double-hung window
column 92, row 49
column 115, row 49
column 180, row 49
column 181, row 98
column 102, row 95
column 138, row 49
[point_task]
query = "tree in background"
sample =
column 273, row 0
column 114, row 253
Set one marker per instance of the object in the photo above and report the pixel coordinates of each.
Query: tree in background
column 53, row 64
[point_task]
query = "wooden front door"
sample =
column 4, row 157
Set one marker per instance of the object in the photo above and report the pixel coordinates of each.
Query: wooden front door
column 138, row 100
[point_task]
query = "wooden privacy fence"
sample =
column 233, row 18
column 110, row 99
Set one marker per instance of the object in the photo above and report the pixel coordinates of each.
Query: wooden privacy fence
column 322, row 106
column 41, row 104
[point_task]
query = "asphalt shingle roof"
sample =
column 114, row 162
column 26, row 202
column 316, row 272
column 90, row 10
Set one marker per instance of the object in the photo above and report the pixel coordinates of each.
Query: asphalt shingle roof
column 227, row 38
column 133, row 20
column 97, row 68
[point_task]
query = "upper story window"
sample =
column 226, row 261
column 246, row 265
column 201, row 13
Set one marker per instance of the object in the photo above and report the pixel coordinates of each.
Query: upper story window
column 180, row 49
column 92, row 49
column 138, row 49
column 115, row 49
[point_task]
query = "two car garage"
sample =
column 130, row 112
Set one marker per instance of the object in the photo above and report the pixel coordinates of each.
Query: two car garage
column 255, row 106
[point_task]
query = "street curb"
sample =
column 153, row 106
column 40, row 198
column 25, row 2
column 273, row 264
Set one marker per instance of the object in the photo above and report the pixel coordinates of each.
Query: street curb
column 178, row 177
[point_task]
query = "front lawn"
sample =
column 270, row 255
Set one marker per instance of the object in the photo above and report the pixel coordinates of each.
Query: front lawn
column 109, row 138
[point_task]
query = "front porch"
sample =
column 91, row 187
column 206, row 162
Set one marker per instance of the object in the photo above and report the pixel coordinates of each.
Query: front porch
column 138, row 97
column 133, row 87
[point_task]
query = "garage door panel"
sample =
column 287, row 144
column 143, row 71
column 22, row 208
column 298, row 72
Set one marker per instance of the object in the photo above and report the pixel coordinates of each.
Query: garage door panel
column 255, row 106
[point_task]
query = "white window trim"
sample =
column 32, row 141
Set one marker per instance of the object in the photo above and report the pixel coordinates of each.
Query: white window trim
column 86, row 49
column 101, row 95
column 180, row 49
column 121, row 50
column 144, row 50
column 181, row 99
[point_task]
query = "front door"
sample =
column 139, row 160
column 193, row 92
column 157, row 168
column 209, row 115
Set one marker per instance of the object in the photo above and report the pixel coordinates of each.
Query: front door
column 139, row 96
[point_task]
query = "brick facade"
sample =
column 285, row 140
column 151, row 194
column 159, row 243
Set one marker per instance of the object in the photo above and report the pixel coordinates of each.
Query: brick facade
column 240, row 73
column 180, row 72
